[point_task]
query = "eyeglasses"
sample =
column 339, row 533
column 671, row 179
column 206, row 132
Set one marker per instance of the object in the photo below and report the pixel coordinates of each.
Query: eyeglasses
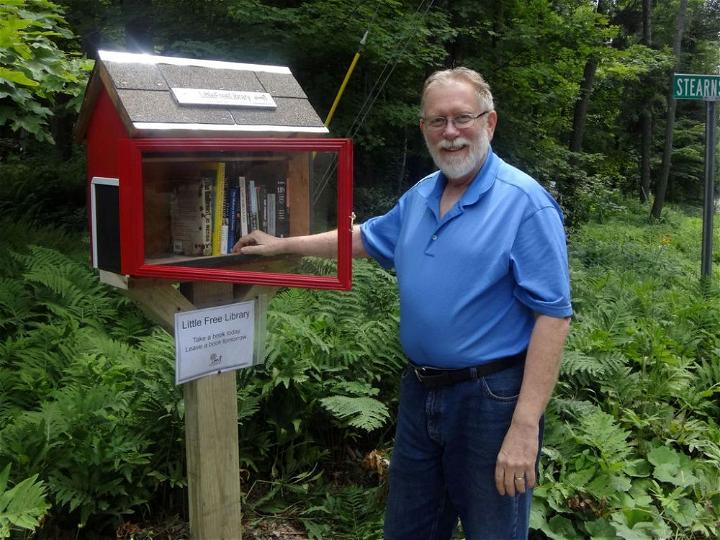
column 460, row 121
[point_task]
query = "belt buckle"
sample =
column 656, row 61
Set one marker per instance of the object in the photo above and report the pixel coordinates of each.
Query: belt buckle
column 425, row 378
column 417, row 371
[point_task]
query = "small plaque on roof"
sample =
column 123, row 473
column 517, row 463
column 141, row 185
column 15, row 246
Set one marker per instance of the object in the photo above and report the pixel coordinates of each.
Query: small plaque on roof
column 232, row 98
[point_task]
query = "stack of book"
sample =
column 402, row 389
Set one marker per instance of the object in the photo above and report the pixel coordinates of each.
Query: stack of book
column 210, row 213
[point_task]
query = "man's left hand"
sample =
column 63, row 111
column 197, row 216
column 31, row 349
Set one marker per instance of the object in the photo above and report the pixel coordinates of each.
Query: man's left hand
column 515, row 467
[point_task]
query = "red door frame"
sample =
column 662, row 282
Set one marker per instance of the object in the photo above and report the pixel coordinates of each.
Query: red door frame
column 132, row 237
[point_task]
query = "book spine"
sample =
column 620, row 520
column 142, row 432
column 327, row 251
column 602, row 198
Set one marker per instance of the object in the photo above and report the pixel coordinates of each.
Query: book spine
column 206, row 186
column 282, row 225
column 262, row 207
column 271, row 214
column 242, row 196
column 224, row 235
column 218, row 210
column 225, row 228
column 232, row 217
column 252, row 196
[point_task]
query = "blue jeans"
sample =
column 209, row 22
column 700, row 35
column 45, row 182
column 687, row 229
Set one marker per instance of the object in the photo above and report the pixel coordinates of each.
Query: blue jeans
column 443, row 463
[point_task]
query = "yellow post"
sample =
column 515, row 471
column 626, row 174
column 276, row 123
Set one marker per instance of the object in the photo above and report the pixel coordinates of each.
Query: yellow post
column 341, row 90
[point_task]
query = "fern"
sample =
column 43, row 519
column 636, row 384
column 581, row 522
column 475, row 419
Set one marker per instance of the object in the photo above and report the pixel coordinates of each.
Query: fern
column 354, row 511
column 364, row 413
column 575, row 408
column 353, row 388
column 15, row 304
column 23, row 505
column 65, row 287
column 575, row 362
column 600, row 432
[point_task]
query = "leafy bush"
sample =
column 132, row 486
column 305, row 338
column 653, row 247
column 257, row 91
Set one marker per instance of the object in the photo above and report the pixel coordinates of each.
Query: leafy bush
column 327, row 379
column 88, row 405
column 23, row 505
column 631, row 448
column 43, row 191
column 34, row 70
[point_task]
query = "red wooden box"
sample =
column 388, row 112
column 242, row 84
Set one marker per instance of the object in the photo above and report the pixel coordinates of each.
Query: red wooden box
column 156, row 158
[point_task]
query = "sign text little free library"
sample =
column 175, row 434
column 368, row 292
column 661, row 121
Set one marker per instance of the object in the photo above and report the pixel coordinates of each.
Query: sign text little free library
column 700, row 87
column 214, row 340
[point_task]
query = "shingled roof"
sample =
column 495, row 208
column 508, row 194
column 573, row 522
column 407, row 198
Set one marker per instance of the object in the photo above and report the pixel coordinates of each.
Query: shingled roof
column 181, row 96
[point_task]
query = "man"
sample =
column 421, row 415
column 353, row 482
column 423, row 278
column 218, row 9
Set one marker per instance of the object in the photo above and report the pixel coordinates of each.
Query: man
column 479, row 252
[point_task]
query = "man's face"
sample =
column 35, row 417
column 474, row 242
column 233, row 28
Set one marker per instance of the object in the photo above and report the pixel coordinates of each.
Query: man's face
column 458, row 152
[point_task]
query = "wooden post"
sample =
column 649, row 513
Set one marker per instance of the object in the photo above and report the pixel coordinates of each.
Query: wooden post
column 213, row 460
column 211, row 430
column 211, row 440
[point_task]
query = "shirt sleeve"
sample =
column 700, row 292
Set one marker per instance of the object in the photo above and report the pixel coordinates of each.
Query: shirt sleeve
column 540, row 264
column 380, row 235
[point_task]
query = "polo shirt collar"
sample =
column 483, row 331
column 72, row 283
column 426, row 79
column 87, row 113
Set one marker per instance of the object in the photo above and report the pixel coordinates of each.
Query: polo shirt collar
column 482, row 182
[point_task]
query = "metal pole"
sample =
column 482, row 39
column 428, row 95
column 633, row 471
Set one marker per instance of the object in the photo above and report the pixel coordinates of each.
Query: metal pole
column 709, row 203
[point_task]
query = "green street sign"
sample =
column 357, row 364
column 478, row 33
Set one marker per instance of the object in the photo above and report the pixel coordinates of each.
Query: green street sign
column 699, row 87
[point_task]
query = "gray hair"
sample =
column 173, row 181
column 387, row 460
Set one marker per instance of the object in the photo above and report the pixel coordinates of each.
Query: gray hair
column 465, row 75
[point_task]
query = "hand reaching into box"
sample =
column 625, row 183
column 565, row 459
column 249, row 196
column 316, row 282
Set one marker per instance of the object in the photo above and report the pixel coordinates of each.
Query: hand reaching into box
column 317, row 245
column 260, row 243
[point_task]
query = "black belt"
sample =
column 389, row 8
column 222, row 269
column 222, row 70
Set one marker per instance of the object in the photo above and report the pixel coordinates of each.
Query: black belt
column 431, row 377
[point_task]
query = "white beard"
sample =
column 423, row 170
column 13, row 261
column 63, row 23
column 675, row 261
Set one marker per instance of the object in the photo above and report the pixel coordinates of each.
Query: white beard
column 458, row 166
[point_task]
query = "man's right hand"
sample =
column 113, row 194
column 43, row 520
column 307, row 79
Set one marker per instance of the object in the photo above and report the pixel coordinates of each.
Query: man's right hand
column 259, row 243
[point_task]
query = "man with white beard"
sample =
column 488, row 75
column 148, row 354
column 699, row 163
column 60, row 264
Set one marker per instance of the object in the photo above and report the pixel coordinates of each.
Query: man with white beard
column 479, row 252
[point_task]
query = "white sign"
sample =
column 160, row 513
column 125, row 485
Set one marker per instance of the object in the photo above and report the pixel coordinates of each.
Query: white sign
column 232, row 98
column 213, row 340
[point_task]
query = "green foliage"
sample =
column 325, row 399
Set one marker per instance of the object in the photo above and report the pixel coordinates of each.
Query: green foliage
column 91, row 411
column 631, row 436
column 327, row 376
column 88, row 402
column 34, row 69
column 361, row 412
column 23, row 505
column 88, row 406
column 41, row 191
column 350, row 513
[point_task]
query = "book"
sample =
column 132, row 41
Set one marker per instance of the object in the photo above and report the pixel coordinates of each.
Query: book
column 262, row 207
column 187, row 218
column 282, row 211
column 206, row 188
column 253, row 206
column 218, row 206
column 225, row 226
column 242, row 197
column 232, row 217
column 271, row 214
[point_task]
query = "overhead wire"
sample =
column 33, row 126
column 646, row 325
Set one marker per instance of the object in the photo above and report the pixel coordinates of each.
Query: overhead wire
column 372, row 97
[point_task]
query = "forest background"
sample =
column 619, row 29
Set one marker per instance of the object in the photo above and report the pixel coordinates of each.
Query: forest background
column 91, row 424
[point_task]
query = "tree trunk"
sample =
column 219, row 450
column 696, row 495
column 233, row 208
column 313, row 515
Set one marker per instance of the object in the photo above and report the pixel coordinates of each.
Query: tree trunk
column 647, row 21
column 646, row 121
column 583, row 102
column 646, row 118
column 662, row 184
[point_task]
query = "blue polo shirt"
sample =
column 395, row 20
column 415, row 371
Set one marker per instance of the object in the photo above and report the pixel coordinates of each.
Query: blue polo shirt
column 471, row 281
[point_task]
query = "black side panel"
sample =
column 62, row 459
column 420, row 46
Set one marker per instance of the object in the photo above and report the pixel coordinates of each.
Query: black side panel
column 107, row 226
